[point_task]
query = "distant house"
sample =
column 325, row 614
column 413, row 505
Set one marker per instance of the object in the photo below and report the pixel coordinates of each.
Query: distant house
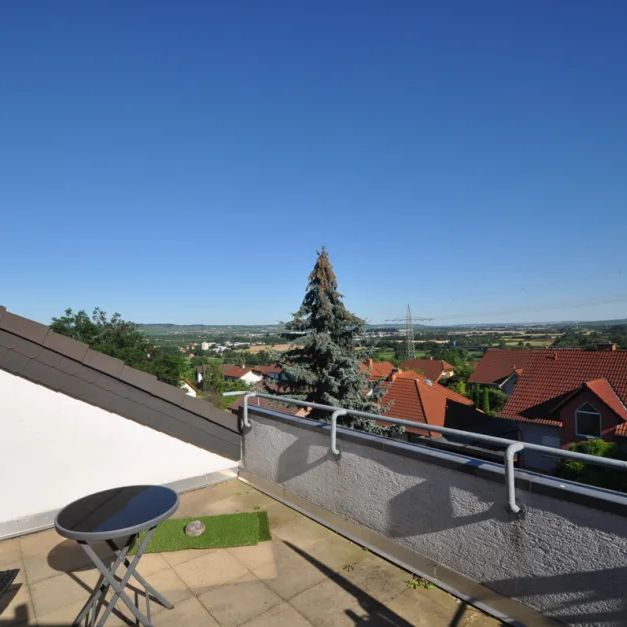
column 434, row 369
column 377, row 369
column 412, row 396
column 501, row 368
column 267, row 403
column 246, row 375
column 569, row 395
column 271, row 372
column 190, row 390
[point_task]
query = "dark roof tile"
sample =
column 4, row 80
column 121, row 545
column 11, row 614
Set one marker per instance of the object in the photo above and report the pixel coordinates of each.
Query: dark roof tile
column 104, row 363
column 23, row 327
column 139, row 379
column 14, row 362
column 207, row 410
column 27, row 348
column 2, row 311
column 169, row 393
column 66, row 346
column 36, row 371
column 68, row 366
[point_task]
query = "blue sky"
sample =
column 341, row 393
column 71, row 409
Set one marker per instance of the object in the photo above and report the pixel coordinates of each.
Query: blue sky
column 182, row 161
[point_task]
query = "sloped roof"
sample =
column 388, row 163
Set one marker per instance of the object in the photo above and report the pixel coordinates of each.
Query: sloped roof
column 552, row 376
column 267, row 403
column 412, row 396
column 604, row 391
column 377, row 369
column 32, row 351
column 268, row 369
column 498, row 364
column 234, row 372
column 431, row 368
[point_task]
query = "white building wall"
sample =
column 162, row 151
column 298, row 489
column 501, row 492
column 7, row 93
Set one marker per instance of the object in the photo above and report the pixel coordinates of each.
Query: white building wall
column 55, row 449
column 251, row 378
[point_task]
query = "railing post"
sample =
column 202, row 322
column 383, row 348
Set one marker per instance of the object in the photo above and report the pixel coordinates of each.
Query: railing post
column 510, row 451
column 245, row 421
column 334, row 417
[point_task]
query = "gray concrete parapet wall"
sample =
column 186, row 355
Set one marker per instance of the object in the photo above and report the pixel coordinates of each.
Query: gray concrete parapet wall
column 565, row 555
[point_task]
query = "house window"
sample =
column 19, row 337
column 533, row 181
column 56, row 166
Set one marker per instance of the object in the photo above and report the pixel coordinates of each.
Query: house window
column 588, row 422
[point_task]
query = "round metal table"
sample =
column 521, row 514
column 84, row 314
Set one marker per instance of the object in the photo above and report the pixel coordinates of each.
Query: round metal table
column 117, row 517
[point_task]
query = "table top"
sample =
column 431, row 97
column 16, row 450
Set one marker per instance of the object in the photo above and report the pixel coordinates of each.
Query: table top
column 117, row 512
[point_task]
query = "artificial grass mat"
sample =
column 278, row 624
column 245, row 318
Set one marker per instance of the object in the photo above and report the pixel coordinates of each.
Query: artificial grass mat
column 223, row 531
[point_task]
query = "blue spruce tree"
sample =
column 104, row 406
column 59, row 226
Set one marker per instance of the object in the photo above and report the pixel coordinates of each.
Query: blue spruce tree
column 324, row 365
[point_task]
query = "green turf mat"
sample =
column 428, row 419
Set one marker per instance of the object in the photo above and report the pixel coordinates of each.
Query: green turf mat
column 220, row 531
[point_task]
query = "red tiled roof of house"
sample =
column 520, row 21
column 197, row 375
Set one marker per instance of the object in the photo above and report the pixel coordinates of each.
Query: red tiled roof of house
column 431, row 368
column 552, row 376
column 411, row 397
column 268, row 370
column 621, row 430
column 498, row 364
column 377, row 369
column 267, row 403
column 233, row 371
column 603, row 389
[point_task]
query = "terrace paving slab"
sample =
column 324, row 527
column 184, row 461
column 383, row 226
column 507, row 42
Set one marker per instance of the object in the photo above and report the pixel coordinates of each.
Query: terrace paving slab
column 226, row 603
column 306, row 575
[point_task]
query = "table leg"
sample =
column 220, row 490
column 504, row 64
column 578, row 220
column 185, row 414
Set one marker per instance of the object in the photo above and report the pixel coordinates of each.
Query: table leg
column 100, row 590
column 109, row 579
column 147, row 587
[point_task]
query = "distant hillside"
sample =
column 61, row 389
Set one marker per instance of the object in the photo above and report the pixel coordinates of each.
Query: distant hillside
column 166, row 328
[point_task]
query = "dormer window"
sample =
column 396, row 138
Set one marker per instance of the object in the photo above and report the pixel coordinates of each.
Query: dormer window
column 588, row 422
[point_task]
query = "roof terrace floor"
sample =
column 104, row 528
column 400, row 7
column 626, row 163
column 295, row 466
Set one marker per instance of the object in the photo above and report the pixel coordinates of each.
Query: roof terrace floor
column 306, row 575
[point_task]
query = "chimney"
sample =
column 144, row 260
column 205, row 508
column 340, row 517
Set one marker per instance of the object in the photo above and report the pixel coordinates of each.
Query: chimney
column 607, row 347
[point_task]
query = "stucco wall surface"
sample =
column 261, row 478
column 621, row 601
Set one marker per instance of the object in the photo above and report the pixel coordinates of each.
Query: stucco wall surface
column 564, row 559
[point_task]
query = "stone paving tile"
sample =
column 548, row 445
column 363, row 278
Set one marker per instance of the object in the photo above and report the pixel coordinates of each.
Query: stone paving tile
column 434, row 607
column 10, row 551
column 56, row 592
column 16, row 601
column 189, row 613
column 302, row 532
column 377, row 578
column 216, row 568
column 39, row 543
column 337, row 553
column 333, row 604
column 279, row 514
column 280, row 616
column 178, row 557
column 242, row 600
column 281, row 568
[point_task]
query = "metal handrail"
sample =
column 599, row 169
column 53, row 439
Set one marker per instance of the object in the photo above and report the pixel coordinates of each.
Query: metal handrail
column 511, row 446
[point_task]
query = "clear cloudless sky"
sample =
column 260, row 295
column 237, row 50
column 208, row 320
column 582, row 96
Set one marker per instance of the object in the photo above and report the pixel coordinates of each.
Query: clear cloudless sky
column 182, row 161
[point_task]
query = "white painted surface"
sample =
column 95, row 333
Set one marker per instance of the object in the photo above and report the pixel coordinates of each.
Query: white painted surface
column 251, row 378
column 55, row 449
column 189, row 390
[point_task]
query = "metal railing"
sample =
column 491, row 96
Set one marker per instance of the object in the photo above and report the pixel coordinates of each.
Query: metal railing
column 511, row 446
